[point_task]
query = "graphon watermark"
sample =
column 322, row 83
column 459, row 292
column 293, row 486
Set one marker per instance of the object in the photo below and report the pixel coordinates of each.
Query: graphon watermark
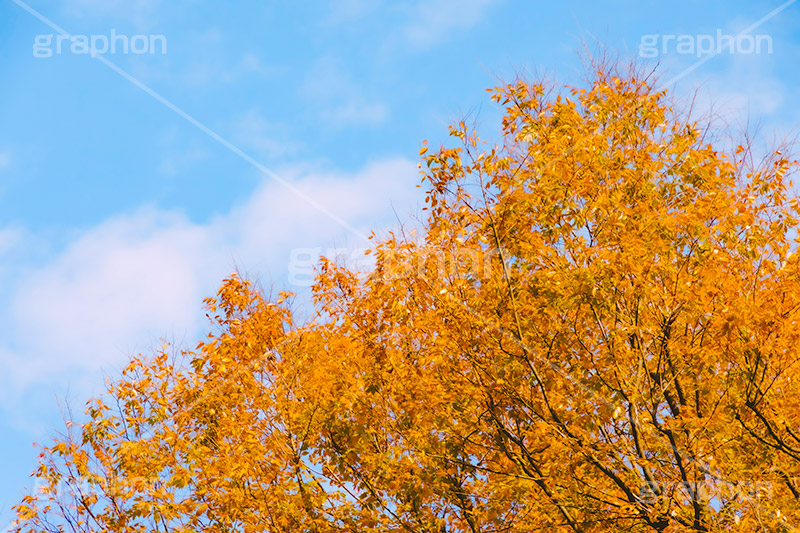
column 45, row 45
column 100, row 486
column 701, row 45
column 419, row 261
column 719, row 491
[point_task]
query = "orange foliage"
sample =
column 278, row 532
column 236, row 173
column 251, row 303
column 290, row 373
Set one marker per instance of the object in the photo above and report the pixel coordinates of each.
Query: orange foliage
column 596, row 332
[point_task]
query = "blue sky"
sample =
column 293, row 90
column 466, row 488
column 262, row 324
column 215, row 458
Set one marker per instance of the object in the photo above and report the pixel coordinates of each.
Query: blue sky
column 131, row 184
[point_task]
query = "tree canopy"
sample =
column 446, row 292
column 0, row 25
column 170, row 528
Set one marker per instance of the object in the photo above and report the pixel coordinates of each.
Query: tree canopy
column 594, row 330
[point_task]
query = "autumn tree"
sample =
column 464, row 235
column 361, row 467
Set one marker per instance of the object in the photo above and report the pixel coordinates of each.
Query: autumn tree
column 594, row 330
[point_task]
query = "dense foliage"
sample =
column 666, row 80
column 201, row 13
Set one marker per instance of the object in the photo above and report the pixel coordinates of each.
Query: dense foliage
column 595, row 330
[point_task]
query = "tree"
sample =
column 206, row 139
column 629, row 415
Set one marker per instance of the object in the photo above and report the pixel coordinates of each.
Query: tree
column 595, row 331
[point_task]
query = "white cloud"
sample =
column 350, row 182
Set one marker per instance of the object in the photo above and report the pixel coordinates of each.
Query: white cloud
column 5, row 159
column 119, row 283
column 120, row 286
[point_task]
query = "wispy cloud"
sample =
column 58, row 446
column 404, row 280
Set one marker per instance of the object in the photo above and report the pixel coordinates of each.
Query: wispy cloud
column 249, row 63
column 267, row 139
column 349, row 10
column 10, row 240
column 341, row 101
column 357, row 111
column 9, row 237
column 140, row 12
column 214, row 69
column 432, row 21
column 178, row 162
